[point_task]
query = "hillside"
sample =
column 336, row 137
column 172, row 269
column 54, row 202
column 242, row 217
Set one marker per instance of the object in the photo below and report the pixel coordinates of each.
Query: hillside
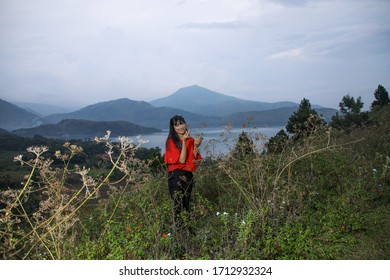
column 4, row 132
column 14, row 117
column 203, row 101
column 44, row 109
column 324, row 198
column 80, row 129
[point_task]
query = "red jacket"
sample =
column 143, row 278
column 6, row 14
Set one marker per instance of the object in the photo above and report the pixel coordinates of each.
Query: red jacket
column 172, row 155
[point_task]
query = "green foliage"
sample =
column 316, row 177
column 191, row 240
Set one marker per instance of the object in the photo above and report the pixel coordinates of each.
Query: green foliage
column 277, row 143
column 244, row 146
column 304, row 120
column 350, row 114
column 130, row 226
column 381, row 97
column 348, row 105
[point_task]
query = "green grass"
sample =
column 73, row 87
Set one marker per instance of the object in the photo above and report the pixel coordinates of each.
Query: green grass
column 372, row 243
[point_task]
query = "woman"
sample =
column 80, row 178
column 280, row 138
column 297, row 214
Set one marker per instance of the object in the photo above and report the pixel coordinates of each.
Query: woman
column 181, row 155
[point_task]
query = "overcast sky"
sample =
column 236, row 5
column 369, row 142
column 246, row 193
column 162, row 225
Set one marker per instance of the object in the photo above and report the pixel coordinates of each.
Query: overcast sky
column 80, row 52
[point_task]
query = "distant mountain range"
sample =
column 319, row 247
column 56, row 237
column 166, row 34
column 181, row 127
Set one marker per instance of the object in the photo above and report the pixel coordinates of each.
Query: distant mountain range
column 43, row 110
column 14, row 117
column 198, row 105
column 139, row 112
column 203, row 101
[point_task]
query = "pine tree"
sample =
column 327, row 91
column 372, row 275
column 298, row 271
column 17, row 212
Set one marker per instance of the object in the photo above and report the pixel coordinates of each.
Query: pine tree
column 277, row 143
column 244, row 146
column 350, row 114
column 303, row 121
column 381, row 97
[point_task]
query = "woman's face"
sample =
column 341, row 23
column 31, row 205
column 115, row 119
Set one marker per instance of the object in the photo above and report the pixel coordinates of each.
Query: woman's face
column 180, row 128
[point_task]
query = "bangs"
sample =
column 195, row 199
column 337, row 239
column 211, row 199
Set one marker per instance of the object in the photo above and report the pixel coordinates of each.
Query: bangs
column 178, row 119
column 178, row 122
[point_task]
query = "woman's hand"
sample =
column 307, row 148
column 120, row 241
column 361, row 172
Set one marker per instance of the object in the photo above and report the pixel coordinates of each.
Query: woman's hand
column 185, row 136
column 198, row 141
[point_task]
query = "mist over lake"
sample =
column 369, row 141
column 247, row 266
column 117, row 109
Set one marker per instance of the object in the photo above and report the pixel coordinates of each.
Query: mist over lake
column 216, row 140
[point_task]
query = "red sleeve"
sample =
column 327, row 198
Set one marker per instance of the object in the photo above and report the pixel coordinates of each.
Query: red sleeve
column 172, row 153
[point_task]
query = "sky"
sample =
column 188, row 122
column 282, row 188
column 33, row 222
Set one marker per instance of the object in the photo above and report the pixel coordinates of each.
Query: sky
column 80, row 52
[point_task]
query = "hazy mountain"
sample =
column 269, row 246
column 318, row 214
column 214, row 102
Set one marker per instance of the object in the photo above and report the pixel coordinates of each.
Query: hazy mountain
column 212, row 107
column 80, row 129
column 138, row 112
column 213, row 110
column 191, row 98
column 14, row 117
column 203, row 101
column 44, row 109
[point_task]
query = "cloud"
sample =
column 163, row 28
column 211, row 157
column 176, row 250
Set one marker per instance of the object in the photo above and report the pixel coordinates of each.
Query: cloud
column 267, row 50
column 290, row 2
column 293, row 53
column 215, row 25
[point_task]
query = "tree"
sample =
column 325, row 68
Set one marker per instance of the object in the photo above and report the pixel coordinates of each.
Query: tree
column 350, row 114
column 381, row 97
column 244, row 146
column 304, row 121
column 277, row 143
column 349, row 106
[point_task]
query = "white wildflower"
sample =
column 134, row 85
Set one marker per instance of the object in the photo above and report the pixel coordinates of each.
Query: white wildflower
column 57, row 154
column 19, row 158
column 83, row 171
column 38, row 150
column 105, row 138
column 125, row 142
column 141, row 141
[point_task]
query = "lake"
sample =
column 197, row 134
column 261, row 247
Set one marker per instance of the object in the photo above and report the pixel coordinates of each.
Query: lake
column 216, row 140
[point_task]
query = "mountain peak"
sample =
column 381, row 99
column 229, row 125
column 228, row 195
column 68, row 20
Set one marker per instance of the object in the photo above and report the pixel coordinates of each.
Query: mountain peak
column 196, row 91
column 193, row 87
column 192, row 98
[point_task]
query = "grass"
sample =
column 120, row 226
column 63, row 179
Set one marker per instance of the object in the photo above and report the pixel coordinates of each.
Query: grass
column 373, row 243
column 324, row 198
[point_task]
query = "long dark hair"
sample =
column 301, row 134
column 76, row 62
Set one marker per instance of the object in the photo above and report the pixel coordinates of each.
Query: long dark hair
column 178, row 119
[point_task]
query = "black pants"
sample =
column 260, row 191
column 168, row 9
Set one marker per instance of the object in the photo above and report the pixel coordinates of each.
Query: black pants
column 180, row 183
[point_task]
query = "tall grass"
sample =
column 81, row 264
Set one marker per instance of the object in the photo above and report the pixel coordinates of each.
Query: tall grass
column 39, row 219
column 325, row 197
